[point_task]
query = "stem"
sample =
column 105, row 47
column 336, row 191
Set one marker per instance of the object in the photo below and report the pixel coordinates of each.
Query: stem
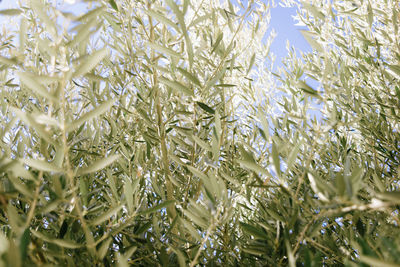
column 161, row 127
column 71, row 176
column 34, row 203
column 209, row 232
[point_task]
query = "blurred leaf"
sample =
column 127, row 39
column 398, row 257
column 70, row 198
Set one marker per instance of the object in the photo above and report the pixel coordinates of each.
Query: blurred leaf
column 97, row 111
column 106, row 215
column 377, row 262
column 205, row 107
column 158, row 207
column 176, row 86
column 10, row 12
column 90, row 62
column 98, row 165
column 32, row 82
column 42, row 165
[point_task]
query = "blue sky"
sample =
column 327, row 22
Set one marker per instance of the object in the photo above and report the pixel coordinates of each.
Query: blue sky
column 283, row 23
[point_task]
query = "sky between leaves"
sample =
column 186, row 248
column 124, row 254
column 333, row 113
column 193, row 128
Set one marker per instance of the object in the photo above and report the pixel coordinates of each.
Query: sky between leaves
column 281, row 21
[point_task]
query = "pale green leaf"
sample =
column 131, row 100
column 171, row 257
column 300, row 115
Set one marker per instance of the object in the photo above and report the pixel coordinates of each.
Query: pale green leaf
column 10, row 12
column 60, row 242
column 161, row 18
column 275, row 159
column 102, row 252
column 377, row 262
column 42, row 165
column 313, row 43
column 155, row 208
column 33, row 83
column 106, row 215
column 97, row 111
column 90, row 62
column 167, row 51
column 177, row 86
column 98, row 165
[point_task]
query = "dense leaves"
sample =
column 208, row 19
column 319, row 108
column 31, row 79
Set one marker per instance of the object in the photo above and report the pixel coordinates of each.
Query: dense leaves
column 153, row 133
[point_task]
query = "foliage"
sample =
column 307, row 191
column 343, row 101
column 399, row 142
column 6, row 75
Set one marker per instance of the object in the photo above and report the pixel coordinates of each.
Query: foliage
column 142, row 133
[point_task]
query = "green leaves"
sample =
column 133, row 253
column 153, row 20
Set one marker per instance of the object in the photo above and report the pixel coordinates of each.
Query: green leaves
column 32, row 82
column 313, row 43
column 90, row 62
column 167, row 51
column 98, row 165
column 42, row 165
column 106, row 215
column 97, row 111
column 177, row 86
column 205, row 107
column 10, row 12
column 155, row 208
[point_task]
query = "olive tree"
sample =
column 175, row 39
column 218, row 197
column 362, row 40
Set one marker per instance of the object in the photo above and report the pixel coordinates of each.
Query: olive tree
column 335, row 142
column 123, row 128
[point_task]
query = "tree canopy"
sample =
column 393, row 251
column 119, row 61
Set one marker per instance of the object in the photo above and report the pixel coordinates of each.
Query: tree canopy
column 155, row 133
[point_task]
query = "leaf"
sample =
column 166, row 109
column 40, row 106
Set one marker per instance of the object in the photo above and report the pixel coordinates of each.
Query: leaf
column 292, row 156
column 23, row 244
column 307, row 89
column 10, row 12
column 128, row 191
column 90, row 62
column 27, row 118
column 102, row 252
column 178, row 13
column 165, row 50
column 217, row 42
column 314, row 187
column 205, row 107
column 177, row 86
column 155, row 208
column 275, row 159
column 161, row 18
column 202, row 144
column 41, row 11
column 98, row 165
column 313, row 43
column 370, row 15
column 105, row 216
column 251, row 63
column 190, row 229
column 113, row 4
column 60, row 242
column 316, row 13
column 83, row 33
column 394, row 70
column 252, row 230
column 97, row 111
column 190, row 76
column 393, row 196
column 42, row 165
column 377, row 262
column 32, row 82
column 8, row 61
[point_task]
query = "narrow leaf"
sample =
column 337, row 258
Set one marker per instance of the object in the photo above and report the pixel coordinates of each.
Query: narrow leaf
column 205, row 107
column 165, row 50
column 176, row 86
column 105, row 216
column 158, row 207
column 34, row 85
column 98, row 165
column 90, row 62
column 10, row 12
column 42, row 165
column 91, row 114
